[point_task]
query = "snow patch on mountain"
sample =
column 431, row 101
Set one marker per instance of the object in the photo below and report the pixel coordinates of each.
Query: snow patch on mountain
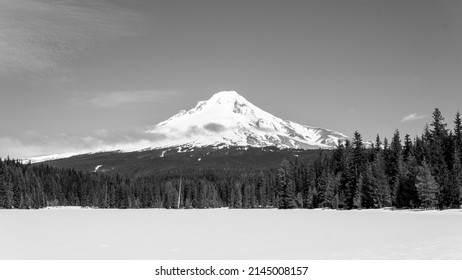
column 97, row 167
column 50, row 157
column 227, row 118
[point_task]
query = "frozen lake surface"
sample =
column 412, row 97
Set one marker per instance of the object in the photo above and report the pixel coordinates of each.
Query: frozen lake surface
column 75, row 233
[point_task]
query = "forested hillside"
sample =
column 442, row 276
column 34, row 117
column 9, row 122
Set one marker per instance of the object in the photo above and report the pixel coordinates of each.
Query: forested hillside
column 151, row 162
column 424, row 172
column 36, row 186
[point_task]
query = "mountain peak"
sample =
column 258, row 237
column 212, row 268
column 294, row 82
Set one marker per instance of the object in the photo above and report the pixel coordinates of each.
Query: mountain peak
column 224, row 102
column 226, row 93
column 228, row 118
column 227, row 97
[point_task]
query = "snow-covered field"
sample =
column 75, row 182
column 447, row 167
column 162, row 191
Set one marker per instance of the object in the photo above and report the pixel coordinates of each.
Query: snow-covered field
column 75, row 233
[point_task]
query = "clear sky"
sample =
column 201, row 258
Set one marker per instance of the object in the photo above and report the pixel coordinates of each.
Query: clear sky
column 81, row 74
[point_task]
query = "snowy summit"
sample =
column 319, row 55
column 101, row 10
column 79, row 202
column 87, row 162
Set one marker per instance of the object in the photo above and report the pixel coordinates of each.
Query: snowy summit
column 227, row 118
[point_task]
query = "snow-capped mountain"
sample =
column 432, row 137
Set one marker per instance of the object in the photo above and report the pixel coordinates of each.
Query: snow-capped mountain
column 227, row 118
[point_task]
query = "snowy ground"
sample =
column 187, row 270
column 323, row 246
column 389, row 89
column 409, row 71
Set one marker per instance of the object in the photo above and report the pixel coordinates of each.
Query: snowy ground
column 74, row 233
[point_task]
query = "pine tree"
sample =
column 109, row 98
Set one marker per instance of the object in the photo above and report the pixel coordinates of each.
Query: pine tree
column 330, row 197
column 249, row 196
column 338, row 158
column 385, row 143
column 407, row 147
column 2, row 185
column 357, row 141
column 358, row 195
column 322, row 186
column 367, row 187
column 427, row 135
column 349, row 178
column 358, row 153
column 6, row 190
column 379, row 185
column 457, row 173
column 439, row 127
column 395, row 145
column 393, row 163
column 262, row 190
column 171, row 195
column 286, row 195
column 406, row 195
column 18, row 189
column 310, row 187
column 426, row 186
column 378, row 144
column 458, row 134
column 438, row 133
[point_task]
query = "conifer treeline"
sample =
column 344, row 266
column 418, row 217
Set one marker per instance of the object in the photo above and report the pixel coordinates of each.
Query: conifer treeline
column 425, row 172
column 26, row 186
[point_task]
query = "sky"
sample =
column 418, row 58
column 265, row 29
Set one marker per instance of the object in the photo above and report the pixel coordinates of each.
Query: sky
column 77, row 75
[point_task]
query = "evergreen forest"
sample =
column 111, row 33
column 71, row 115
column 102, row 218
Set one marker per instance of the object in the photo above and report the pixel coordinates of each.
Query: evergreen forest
column 423, row 172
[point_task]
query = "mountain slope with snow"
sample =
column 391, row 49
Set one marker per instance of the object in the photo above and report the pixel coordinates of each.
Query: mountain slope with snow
column 225, row 120
column 229, row 119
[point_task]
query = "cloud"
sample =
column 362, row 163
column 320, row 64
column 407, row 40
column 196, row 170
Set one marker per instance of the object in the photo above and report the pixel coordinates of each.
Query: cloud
column 16, row 149
column 214, row 127
column 193, row 130
column 413, row 117
column 32, row 144
column 118, row 98
column 39, row 36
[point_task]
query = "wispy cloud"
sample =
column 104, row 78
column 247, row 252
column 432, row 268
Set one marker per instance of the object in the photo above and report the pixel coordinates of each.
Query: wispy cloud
column 34, row 144
column 413, row 117
column 119, row 98
column 38, row 36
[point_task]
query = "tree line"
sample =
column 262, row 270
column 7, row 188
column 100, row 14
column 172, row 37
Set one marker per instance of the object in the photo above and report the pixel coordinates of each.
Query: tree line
column 424, row 172
column 27, row 186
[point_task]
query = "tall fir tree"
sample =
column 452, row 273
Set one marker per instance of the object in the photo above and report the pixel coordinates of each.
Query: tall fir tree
column 358, row 154
column 457, row 172
column 349, row 177
column 286, row 195
column 407, row 150
column 438, row 133
column 406, row 195
column 438, row 126
column 367, row 191
column 395, row 145
column 380, row 189
column 427, row 187
column 378, row 144
column 393, row 163
column 458, row 134
column 331, row 196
